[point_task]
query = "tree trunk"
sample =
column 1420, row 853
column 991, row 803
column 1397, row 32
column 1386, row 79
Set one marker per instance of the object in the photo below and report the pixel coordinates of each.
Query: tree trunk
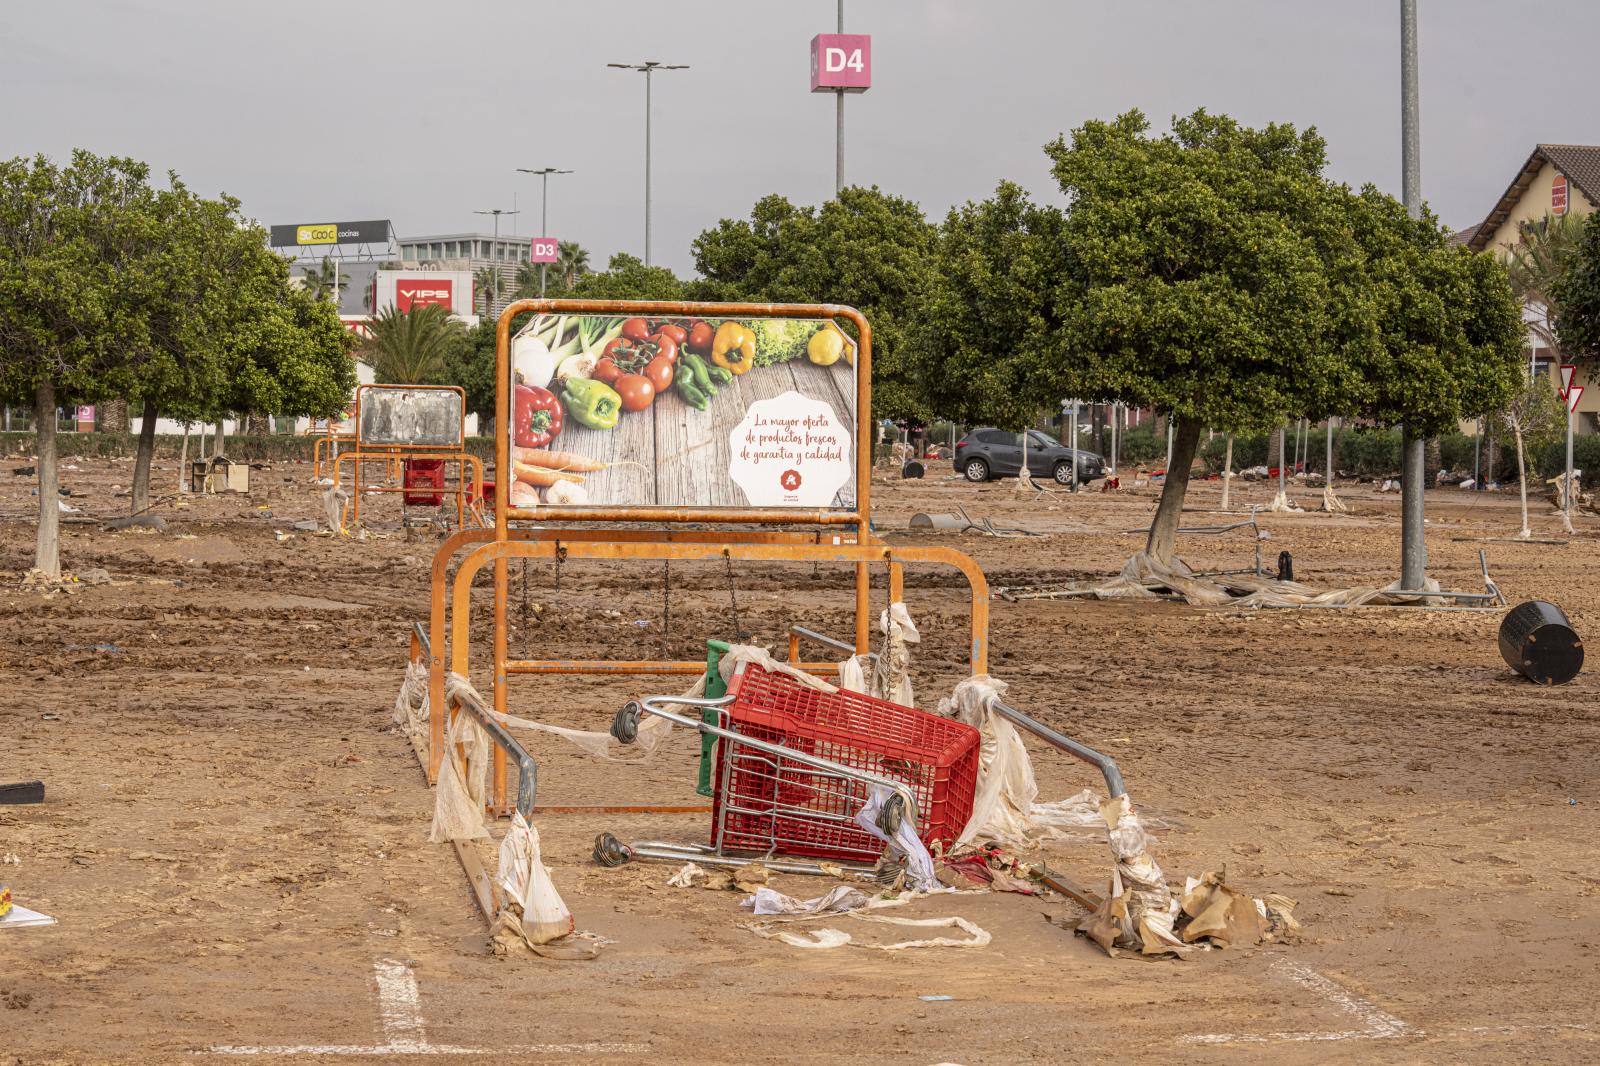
column 112, row 416
column 1162, row 545
column 258, row 425
column 1522, row 478
column 142, row 456
column 183, row 462
column 220, row 445
column 1227, row 469
column 47, row 546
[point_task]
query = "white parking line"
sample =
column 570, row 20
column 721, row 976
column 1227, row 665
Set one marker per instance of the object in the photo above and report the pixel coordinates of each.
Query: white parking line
column 1377, row 1024
column 400, row 1013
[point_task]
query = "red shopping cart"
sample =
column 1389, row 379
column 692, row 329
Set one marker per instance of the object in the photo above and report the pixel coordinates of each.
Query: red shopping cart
column 795, row 765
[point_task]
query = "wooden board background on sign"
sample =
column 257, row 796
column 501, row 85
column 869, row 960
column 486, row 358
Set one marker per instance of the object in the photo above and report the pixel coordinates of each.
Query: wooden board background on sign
column 673, row 455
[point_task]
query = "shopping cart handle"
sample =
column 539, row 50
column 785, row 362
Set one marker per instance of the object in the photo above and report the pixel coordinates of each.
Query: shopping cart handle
column 625, row 723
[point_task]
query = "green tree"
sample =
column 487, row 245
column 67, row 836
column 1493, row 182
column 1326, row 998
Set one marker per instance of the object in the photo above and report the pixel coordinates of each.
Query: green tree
column 69, row 296
column 470, row 365
column 1537, row 264
column 1535, row 417
column 987, row 340
column 486, row 286
column 1209, row 271
column 326, row 281
column 413, row 347
column 572, row 263
column 866, row 248
column 627, row 278
column 1450, row 337
column 1575, row 295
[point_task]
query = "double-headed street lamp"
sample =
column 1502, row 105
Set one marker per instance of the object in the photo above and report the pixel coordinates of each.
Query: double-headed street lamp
column 544, row 209
column 649, row 67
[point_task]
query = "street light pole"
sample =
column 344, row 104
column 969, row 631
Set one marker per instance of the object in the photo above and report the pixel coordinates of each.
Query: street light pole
column 494, row 254
column 649, row 67
column 838, row 164
column 1413, row 550
column 544, row 209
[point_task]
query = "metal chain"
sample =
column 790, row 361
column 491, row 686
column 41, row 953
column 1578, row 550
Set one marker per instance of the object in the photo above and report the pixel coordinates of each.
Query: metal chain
column 561, row 557
column 527, row 630
column 733, row 600
column 666, row 604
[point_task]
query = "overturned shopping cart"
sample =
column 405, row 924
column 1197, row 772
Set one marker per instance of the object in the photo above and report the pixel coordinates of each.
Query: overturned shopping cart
column 800, row 773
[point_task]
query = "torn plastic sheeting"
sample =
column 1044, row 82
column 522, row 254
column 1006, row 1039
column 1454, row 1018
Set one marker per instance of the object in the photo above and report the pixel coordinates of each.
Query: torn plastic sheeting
column 828, row 937
column 1139, row 910
column 891, row 672
column 458, row 801
column 411, row 705
column 532, row 908
column 1004, row 808
column 904, row 839
column 839, row 898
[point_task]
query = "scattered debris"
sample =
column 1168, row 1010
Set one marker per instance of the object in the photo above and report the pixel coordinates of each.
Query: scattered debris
column 146, row 520
column 94, row 576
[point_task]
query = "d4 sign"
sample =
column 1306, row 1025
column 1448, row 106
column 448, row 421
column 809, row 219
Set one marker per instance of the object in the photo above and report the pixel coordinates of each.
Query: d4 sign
column 841, row 62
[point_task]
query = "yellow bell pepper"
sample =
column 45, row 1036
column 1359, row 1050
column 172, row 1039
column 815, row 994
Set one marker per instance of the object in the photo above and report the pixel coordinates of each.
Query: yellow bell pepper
column 733, row 348
column 825, row 346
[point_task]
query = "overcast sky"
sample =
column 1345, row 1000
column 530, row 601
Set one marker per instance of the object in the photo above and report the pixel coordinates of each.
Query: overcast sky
column 420, row 112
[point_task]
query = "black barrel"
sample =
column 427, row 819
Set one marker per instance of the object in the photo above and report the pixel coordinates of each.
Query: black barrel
column 1538, row 642
column 911, row 470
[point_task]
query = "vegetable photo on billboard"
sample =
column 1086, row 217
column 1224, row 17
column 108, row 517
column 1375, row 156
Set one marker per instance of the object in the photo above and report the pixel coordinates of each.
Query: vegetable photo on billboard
column 635, row 411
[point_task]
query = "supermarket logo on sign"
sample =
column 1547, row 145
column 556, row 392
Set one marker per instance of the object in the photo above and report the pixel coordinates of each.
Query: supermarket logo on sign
column 790, row 480
column 409, row 294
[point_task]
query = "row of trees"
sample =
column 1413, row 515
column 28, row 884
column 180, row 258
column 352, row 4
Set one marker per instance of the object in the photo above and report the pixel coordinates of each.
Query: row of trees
column 114, row 287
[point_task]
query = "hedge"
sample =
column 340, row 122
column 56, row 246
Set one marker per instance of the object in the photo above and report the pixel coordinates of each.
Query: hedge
column 238, row 447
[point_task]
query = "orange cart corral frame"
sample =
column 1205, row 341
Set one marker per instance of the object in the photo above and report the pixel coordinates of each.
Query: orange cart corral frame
column 810, row 535
column 468, row 486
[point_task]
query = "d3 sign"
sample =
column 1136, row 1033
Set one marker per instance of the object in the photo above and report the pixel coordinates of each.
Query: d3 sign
column 544, row 250
column 841, row 62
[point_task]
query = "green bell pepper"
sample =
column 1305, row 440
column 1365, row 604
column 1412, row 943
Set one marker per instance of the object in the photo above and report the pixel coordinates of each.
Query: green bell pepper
column 593, row 403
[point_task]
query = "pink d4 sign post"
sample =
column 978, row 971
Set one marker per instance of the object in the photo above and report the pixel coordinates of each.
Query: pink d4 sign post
column 841, row 62
column 545, row 250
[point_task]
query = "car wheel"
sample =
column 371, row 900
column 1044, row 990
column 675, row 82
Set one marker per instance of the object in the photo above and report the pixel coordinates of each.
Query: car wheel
column 977, row 470
column 1063, row 473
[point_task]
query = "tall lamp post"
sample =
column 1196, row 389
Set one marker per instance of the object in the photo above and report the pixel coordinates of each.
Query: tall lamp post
column 1413, row 550
column 495, row 251
column 649, row 67
column 544, row 209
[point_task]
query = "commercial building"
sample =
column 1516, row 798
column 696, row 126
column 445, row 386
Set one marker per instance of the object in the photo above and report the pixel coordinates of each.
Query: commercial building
column 1556, row 180
column 470, row 252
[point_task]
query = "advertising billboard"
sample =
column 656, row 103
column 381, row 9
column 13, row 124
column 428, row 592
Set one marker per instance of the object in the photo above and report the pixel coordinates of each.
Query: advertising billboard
column 303, row 234
column 405, row 289
column 729, row 413
column 841, row 62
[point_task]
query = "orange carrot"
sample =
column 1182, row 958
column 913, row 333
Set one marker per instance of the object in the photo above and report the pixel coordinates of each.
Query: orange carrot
column 539, row 475
column 558, row 460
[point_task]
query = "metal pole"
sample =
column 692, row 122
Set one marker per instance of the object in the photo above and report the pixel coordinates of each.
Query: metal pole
column 1566, row 501
column 1114, row 429
column 838, row 165
column 544, row 222
column 1283, row 439
column 1327, row 470
column 647, row 166
column 1072, row 432
column 1413, row 550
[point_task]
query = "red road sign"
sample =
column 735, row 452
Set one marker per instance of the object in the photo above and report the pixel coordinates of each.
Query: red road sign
column 1567, row 370
column 1573, row 394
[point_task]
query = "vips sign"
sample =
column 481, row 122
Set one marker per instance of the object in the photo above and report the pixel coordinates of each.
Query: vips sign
column 545, row 250
column 841, row 62
column 417, row 292
column 305, row 234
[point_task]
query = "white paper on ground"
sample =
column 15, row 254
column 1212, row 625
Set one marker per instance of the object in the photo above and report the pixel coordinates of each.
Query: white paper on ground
column 20, row 917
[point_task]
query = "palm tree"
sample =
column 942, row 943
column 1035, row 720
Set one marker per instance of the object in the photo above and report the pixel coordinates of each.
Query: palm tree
column 320, row 282
column 526, row 285
column 572, row 263
column 1537, row 263
column 487, row 281
column 410, row 347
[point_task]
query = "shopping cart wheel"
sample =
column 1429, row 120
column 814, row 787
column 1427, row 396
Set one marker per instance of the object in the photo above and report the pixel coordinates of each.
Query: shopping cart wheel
column 609, row 851
column 625, row 724
column 890, row 814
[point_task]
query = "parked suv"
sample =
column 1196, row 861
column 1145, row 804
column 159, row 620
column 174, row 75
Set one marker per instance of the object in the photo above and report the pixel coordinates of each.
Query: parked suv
column 989, row 453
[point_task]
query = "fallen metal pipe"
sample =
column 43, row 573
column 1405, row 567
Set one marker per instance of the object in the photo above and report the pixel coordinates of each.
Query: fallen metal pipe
column 610, row 851
column 1104, row 763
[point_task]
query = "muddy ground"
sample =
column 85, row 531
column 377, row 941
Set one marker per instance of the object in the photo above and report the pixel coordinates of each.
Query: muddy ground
column 234, row 837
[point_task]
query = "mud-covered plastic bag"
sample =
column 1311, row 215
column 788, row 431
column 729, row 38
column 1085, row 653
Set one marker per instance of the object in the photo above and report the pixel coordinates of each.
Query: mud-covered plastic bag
column 458, row 800
column 531, row 901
